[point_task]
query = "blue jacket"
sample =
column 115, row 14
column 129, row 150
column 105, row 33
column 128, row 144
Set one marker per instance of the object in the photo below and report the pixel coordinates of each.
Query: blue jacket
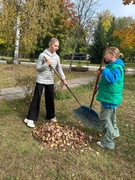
column 110, row 89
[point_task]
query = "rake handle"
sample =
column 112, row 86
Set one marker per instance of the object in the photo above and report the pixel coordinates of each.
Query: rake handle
column 101, row 63
column 65, row 84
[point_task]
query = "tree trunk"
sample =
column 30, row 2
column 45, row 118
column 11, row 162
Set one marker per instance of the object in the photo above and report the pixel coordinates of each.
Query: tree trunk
column 71, row 61
column 17, row 40
column 74, row 50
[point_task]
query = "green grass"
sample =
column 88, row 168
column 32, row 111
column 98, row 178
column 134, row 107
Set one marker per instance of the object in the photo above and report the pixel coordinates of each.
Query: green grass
column 6, row 58
column 11, row 73
column 22, row 157
column 130, row 65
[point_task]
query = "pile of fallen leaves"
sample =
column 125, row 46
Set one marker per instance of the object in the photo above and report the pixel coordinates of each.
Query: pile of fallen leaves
column 54, row 135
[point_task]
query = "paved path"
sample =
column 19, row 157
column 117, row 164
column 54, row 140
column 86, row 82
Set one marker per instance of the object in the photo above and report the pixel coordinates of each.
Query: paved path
column 20, row 92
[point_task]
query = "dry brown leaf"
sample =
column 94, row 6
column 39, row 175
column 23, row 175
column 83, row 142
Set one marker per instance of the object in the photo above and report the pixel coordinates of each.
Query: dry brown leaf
column 54, row 135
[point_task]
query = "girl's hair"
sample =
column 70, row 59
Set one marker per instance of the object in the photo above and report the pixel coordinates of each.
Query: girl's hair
column 121, row 56
column 116, row 51
column 53, row 40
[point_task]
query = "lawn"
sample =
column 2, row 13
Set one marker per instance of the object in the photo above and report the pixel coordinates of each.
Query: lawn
column 24, row 158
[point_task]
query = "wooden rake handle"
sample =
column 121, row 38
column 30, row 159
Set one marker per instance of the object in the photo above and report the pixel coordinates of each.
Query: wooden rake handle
column 65, row 84
column 95, row 87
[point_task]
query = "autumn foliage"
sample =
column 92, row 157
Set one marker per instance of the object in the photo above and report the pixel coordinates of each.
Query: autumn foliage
column 127, row 2
column 127, row 35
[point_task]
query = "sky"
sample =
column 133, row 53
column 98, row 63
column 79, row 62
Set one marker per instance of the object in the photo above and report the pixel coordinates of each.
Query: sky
column 117, row 8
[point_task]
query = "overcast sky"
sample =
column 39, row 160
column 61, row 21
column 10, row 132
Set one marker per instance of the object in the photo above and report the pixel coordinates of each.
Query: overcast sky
column 117, row 8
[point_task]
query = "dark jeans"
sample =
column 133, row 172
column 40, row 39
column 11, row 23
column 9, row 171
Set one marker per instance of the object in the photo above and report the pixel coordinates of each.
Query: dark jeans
column 35, row 103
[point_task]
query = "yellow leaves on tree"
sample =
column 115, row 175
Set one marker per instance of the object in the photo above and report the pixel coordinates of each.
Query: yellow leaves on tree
column 127, row 35
column 127, row 2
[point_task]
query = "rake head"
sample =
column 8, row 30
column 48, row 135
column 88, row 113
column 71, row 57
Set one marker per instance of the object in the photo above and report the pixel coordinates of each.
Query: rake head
column 88, row 116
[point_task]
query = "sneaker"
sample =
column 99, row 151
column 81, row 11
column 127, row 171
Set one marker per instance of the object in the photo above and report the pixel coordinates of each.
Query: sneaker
column 30, row 123
column 100, row 144
column 54, row 119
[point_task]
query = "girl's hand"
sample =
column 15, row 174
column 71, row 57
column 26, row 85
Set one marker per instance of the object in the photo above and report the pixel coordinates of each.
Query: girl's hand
column 96, row 89
column 47, row 61
column 99, row 71
column 64, row 81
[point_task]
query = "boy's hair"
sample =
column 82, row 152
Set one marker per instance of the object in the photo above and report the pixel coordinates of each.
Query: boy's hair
column 52, row 41
column 116, row 51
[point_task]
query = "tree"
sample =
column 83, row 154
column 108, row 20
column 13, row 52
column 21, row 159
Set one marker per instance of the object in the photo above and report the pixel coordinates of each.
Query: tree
column 98, row 44
column 19, row 3
column 106, row 19
column 127, row 2
column 127, row 36
column 37, row 20
column 110, row 38
column 122, row 22
column 124, row 32
column 32, row 24
column 84, row 13
column 7, row 14
column 60, row 28
column 34, row 18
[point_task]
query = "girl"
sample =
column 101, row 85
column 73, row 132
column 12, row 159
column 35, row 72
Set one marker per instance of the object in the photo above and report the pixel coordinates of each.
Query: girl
column 110, row 95
column 45, row 80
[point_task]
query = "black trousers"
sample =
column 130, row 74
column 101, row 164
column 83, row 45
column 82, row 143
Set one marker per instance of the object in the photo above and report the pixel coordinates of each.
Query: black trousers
column 34, row 109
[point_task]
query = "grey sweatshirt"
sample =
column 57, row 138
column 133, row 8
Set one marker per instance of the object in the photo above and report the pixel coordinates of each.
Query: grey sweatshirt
column 45, row 75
